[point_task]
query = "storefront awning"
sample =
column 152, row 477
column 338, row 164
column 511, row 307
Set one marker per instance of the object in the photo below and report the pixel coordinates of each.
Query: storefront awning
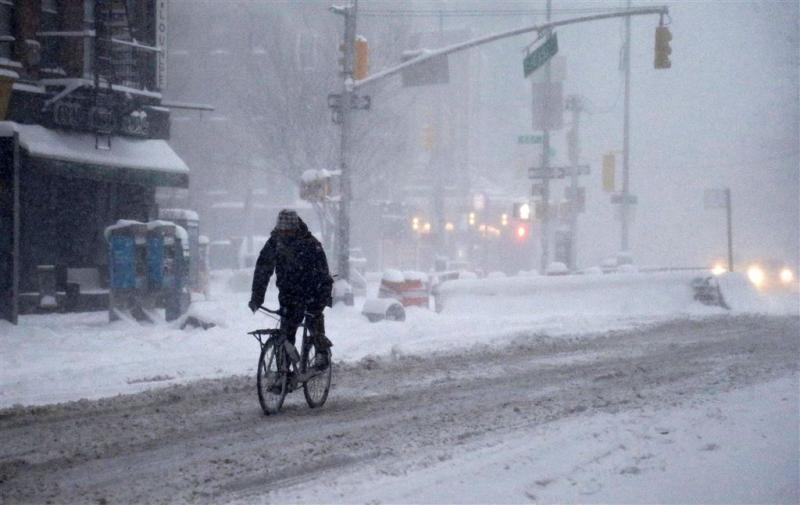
column 144, row 161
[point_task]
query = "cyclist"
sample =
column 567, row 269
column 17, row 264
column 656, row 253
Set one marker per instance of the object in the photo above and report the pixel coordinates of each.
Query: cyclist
column 301, row 274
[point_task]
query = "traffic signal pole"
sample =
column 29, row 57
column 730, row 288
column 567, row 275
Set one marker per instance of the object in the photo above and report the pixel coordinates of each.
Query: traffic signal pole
column 545, row 258
column 438, row 164
column 624, row 245
column 574, row 105
column 343, row 226
column 728, row 212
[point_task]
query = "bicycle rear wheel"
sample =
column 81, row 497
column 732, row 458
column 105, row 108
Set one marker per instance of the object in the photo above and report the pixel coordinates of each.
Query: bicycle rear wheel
column 271, row 379
column 316, row 388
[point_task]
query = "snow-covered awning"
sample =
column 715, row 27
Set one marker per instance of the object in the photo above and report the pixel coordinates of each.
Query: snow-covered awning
column 151, row 160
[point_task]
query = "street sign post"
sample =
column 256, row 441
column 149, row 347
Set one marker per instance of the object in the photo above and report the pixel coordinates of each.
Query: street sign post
column 556, row 172
column 576, row 197
column 720, row 198
column 540, row 55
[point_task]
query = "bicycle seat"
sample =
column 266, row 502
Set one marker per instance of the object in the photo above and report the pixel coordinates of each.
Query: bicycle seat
column 267, row 331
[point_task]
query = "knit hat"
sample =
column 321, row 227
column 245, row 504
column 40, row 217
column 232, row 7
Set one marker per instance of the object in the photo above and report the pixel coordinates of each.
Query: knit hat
column 287, row 220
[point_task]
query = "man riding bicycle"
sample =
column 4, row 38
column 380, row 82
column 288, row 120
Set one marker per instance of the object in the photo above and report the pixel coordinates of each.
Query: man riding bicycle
column 301, row 274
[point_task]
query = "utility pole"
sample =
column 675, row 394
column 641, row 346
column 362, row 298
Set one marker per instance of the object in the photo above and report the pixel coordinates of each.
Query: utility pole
column 343, row 226
column 625, row 245
column 574, row 105
column 728, row 212
column 546, row 161
column 437, row 161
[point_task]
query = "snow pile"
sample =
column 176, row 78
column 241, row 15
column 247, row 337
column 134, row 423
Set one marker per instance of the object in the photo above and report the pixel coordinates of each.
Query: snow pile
column 741, row 296
column 631, row 294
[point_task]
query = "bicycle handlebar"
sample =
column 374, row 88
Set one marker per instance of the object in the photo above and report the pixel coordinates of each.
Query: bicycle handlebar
column 279, row 312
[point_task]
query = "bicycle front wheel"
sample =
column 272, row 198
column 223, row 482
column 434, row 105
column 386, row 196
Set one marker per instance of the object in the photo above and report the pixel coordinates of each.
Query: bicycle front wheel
column 316, row 388
column 271, row 379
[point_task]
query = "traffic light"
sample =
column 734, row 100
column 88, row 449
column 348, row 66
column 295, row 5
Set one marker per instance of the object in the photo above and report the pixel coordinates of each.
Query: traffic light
column 663, row 36
column 362, row 59
column 609, row 169
column 522, row 232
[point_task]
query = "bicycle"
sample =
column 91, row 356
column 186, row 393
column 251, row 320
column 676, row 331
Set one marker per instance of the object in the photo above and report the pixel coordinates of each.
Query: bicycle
column 281, row 369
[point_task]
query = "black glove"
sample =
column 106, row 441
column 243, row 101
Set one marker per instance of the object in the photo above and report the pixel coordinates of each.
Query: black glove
column 252, row 305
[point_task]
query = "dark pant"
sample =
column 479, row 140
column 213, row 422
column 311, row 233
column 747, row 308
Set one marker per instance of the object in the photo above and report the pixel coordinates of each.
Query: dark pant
column 293, row 316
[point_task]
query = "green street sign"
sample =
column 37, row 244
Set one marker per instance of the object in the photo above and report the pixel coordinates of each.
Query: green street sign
column 540, row 55
column 529, row 139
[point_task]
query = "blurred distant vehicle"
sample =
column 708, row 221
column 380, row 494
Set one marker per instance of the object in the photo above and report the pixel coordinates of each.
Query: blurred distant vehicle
column 768, row 275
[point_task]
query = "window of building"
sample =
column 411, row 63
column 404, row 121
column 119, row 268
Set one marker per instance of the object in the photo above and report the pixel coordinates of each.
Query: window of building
column 49, row 23
column 6, row 25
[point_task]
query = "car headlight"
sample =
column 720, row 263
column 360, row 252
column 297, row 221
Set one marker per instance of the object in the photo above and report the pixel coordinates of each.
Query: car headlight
column 718, row 269
column 787, row 276
column 756, row 275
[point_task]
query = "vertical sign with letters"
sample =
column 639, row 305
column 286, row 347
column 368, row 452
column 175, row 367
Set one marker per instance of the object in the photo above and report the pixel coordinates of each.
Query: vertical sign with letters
column 161, row 42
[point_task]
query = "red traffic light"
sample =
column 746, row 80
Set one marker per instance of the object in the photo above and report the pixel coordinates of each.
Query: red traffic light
column 522, row 232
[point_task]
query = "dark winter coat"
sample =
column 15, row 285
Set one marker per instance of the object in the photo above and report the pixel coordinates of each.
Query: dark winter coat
column 301, row 270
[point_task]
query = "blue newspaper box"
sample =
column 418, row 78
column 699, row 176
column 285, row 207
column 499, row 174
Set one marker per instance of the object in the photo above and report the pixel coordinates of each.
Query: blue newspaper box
column 160, row 255
column 167, row 268
column 127, row 256
column 177, row 296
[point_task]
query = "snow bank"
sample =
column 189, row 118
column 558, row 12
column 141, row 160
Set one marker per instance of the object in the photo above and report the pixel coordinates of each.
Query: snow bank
column 741, row 296
column 630, row 294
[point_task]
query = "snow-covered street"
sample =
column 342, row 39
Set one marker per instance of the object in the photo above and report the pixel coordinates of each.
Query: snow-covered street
column 694, row 410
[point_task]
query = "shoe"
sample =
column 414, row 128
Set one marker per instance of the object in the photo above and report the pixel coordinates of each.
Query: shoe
column 321, row 360
column 275, row 388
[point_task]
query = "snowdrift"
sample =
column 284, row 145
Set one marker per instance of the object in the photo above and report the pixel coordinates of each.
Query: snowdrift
column 742, row 296
column 622, row 294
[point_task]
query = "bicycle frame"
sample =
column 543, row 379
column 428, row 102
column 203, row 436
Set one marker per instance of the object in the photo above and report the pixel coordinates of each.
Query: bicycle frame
column 279, row 340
